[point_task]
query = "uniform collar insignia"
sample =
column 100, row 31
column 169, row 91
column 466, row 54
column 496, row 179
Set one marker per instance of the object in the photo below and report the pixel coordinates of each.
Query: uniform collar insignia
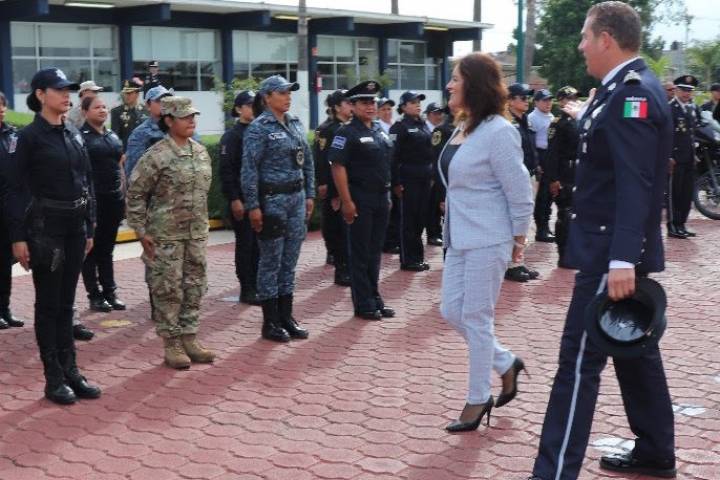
column 612, row 86
column 632, row 76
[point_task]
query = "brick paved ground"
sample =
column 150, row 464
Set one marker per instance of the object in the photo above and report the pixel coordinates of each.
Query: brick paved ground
column 359, row 400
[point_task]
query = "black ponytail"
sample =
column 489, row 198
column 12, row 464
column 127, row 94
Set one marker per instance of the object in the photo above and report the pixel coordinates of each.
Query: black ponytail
column 258, row 105
column 33, row 103
column 162, row 125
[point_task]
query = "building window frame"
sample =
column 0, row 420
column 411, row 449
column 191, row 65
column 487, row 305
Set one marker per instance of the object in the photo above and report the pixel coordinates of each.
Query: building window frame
column 354, row 64
column 429, row 65
column 244, row 58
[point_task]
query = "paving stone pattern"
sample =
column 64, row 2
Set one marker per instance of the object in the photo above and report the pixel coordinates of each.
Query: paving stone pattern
column 358, row 400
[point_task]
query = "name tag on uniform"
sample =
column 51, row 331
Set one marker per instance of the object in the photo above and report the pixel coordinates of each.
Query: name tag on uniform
column 413, row 130
column 13, row 144
column 367, row 139
column 277, row 135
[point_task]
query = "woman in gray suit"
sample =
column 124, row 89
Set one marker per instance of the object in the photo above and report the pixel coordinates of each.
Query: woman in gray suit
column 488, row 209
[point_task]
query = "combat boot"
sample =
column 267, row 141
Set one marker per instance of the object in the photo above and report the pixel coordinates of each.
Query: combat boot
column 73, row 378
column 56, row 390
column 271, row 329
column 175, row 356
column 287, row 321
column 195, row 350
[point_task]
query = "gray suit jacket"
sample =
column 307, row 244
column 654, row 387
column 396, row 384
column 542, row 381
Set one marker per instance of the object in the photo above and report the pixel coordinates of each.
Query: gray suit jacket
column 489, row 196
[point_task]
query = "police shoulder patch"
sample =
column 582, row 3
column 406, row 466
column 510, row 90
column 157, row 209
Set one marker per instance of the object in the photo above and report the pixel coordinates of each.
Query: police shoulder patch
column 632, row 77
column 339, row 142
column 436, row 138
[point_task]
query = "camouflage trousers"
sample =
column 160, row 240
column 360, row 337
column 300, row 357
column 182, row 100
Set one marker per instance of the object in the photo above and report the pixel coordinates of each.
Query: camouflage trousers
column 177, row 280
column 278, row 257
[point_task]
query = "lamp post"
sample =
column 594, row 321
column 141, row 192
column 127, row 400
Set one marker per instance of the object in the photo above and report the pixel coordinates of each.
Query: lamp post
column 520, row 54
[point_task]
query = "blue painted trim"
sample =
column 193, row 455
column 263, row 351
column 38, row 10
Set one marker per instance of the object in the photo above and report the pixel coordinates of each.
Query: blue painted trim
column 255, row 20
column 6, row 74
column 226, row 49
column 23, row 9
column 464, row 34
column 312, row 78
column 333, row 26
column 125, row 51
column 142, row 15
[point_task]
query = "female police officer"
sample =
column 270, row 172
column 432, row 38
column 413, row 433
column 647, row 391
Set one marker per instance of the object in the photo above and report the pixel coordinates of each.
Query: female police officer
column 412, row 172
column 360, row 155
column 51, row 210
column 278, row 182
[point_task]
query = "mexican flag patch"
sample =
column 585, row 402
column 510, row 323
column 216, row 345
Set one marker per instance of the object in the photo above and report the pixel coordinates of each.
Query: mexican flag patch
column 635, row 107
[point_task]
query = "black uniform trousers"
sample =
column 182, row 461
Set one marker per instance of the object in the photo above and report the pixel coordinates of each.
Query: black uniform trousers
column 55, row 290
column 392, row 235
column 98, row 265
column 568, row 420
column 246, row 255
column 413, row 211
column 562, row 223
column 6, row 263
column 365, row 238
column 333, row 231
column 543, row 199
column 433, row 224
column 680, row 193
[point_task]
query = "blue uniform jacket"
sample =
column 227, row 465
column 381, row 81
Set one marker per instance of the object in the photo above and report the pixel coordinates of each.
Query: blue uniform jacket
column 625, row 144
column 269, row 156
column 143, row 137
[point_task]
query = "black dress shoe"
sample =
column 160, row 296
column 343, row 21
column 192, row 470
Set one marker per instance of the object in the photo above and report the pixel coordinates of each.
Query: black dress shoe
column 516, row 274
column 10, row 319
column 627, row 463
column 517, row 367
column 81, row 332
column 342, row 279
column 392, row 250
column 544, row 236
column 60, row 393
column 250, row 297
column 674, row 232
column 329, row 259
column 458, row 426
column 425, row 265
column 114, row 302
column 533, row 274
column 369, row 315
column 387, row 312
column 686, row 232
column 99, row 304
column 3, row 324
column 435, row 241
column 414, row 267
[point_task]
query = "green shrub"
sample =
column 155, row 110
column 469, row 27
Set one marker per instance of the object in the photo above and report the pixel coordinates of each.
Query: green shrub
column 18, row 119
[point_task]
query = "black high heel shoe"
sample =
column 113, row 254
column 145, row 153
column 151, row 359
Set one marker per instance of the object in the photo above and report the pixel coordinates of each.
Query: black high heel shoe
column 517, row 367
column 458, row 426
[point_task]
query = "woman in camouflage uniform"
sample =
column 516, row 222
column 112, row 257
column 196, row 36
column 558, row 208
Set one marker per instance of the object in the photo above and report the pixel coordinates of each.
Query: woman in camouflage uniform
column 167, row 207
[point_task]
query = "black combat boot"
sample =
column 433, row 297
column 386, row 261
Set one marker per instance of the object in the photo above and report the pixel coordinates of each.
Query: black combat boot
column 98, row 302
column 112, row 300
column 271, row 329
column 56, row 388
column 285, row 303
column 73, row 378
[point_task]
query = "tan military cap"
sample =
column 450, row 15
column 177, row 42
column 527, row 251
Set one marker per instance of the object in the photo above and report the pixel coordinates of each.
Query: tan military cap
column 178, row 107
column 90, row 85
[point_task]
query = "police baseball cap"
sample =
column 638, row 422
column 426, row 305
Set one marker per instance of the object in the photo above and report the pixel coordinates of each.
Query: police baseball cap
column 543, row 94
column 382, row 101
column 367, row 90
column 434, row 107
column 179, row 107
column 410, row 96
column 277, row 83
column 520, row 90
column 52, row 78
column 336, row 98
column 715, row 87
column 246, row 97
column 566, row 92
column 156, row 93
column 627, row 328
column 152, row 63
column 687, row 82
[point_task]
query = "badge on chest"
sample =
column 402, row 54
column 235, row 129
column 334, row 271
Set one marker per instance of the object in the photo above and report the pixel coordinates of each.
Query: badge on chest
column 277, row 135
column 367, row 140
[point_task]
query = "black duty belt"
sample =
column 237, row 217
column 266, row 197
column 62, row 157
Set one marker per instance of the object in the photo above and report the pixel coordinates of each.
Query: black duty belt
column 69, row 205
column 279, row 188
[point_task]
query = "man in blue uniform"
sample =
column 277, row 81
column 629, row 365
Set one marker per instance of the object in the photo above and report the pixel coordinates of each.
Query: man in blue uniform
column 625, row 141
column 360, row 156
column 148, row 132
column 231, row 152
column 686, row 117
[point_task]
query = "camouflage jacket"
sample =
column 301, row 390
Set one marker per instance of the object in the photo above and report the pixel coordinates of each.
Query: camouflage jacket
column 270, row 156
column 167, row 198
column 142, row 138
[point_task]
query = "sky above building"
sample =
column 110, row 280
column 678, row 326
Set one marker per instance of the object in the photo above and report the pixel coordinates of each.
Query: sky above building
column 503, row 15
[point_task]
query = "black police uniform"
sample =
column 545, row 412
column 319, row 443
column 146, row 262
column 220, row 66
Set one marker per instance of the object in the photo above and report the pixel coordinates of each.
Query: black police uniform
column 246, row 246
column 682, row 179
column 105, row 151
column 8, row 140
column 412, row 168
column 152, row 81
column 527, row 137
column 366, row 154
column 124, row 119
column 333, row 226
column 623, row 159
column 440, row 135
column 560, row 167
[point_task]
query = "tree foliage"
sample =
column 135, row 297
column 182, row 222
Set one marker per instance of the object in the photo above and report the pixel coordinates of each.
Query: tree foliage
column 704, row 59
column 559, row 35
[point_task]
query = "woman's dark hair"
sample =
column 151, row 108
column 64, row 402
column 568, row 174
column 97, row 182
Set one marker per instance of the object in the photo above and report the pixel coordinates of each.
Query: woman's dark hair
column 258, row 105
column 33, row 103
column 86, row 102
column 484, row 93
column 3, row 99
column 162, row 125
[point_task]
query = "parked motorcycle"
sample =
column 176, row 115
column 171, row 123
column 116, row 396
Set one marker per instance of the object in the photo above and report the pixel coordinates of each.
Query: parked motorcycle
column 707, row 186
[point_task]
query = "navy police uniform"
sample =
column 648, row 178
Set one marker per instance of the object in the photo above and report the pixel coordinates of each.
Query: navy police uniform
column 686, row 118
column 246, row 246
column 622, row 161
column 440, row 135
column 412, row 169
column 366, row 154
column 560, row 167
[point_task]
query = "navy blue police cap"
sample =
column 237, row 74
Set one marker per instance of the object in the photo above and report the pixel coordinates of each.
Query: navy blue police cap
column 277, row 83
column 382, row 101
column 246, row 97
column 520, row 90
column 687, row 82
column 52, row 78
column 543, row 94
column 434, row 107
column 364, row 90
column 336, row 98
column 410, row 96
